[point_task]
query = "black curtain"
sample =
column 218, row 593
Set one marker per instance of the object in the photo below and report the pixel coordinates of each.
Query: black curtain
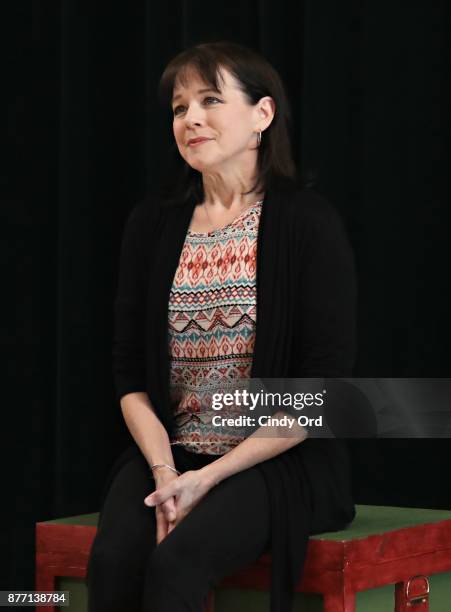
column 85, row 140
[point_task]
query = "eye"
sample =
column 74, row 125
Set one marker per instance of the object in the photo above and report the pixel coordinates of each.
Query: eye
column 207, row 100
column 211, row 98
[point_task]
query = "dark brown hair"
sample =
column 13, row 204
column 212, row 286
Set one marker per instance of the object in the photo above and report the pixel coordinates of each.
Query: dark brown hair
column 257, row 78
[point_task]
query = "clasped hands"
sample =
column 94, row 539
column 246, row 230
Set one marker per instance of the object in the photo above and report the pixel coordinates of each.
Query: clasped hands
column 174, row 497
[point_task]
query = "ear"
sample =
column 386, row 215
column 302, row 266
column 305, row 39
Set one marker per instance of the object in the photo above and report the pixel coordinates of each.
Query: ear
column 266, row 109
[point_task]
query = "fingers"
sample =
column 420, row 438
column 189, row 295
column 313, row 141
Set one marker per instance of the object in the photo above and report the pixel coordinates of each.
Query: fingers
column 161, row 495
column 171, row 526
column 169, row 510
column 164, row 521
column 161, row 527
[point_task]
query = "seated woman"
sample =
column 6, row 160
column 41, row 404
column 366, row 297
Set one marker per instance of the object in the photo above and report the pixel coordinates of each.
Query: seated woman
column 238, row 274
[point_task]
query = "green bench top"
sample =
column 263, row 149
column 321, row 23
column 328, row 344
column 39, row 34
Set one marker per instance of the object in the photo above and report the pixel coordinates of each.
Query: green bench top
column 369, row 520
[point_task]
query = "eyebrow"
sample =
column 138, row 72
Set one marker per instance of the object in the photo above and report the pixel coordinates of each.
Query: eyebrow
column 199, row 92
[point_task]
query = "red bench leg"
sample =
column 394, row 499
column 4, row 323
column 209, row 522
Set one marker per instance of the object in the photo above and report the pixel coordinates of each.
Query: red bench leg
column 210, row 606
column 339, row 601
column 45, row 580
column 412, row 594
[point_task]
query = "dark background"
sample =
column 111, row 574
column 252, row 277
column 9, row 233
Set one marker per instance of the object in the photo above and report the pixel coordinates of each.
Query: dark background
column 86, row 138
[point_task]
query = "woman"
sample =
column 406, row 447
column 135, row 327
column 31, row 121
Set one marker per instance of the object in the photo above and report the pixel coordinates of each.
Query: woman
column 240, row 274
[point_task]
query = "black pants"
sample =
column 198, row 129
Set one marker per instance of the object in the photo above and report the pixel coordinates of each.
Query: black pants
column 228, row 529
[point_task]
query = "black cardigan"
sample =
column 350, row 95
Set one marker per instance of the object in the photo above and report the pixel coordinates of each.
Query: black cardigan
column 305, row 328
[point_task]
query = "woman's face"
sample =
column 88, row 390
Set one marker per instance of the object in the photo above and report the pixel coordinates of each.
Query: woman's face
column 226, row 119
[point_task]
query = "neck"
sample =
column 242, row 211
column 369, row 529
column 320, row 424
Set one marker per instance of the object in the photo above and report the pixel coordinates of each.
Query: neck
column 228, row 192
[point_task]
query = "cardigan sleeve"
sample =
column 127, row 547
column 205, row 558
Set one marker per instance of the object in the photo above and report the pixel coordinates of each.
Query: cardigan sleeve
column 129, row 370
column 327, row 294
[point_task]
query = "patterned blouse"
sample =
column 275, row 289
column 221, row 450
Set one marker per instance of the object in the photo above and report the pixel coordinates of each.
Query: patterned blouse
column 212, row 316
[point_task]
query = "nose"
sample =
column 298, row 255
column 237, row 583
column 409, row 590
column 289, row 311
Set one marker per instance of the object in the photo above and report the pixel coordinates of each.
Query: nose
column 193, row 116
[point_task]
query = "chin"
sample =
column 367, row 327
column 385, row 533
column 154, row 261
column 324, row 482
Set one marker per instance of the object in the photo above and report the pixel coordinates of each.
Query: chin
column 194, row 166
column 200, row 166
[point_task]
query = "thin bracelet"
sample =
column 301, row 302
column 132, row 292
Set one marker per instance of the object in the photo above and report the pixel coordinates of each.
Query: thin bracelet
column 157, row 465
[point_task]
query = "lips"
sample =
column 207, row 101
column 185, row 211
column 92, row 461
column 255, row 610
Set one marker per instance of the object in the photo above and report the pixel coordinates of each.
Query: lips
column 192, row 141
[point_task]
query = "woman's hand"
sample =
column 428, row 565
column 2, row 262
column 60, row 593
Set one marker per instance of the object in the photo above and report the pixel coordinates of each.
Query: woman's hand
column 165, row 513
column 187, row 490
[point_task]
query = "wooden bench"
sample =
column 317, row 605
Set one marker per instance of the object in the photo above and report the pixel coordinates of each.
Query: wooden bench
column 408, row 548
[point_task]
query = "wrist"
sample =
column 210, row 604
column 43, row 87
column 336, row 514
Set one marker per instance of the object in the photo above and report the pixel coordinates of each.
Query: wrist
column 164, row 466
column 210, row 475
column 163, row 471
column 162, row 476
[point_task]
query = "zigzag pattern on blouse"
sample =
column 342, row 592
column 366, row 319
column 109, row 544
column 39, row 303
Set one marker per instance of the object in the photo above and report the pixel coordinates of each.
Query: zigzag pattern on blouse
column 211, row 328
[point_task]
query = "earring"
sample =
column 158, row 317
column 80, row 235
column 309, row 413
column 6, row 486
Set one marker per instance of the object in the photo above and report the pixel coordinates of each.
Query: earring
column 259, row 138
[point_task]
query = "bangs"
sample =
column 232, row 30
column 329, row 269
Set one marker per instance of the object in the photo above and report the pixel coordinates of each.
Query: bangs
column 206, row 66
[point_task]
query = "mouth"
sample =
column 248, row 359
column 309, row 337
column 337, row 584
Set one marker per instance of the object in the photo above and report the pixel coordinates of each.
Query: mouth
column 197, row 141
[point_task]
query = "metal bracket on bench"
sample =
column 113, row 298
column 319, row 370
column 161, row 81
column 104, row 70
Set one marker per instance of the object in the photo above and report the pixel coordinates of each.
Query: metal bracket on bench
column 414, row 593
